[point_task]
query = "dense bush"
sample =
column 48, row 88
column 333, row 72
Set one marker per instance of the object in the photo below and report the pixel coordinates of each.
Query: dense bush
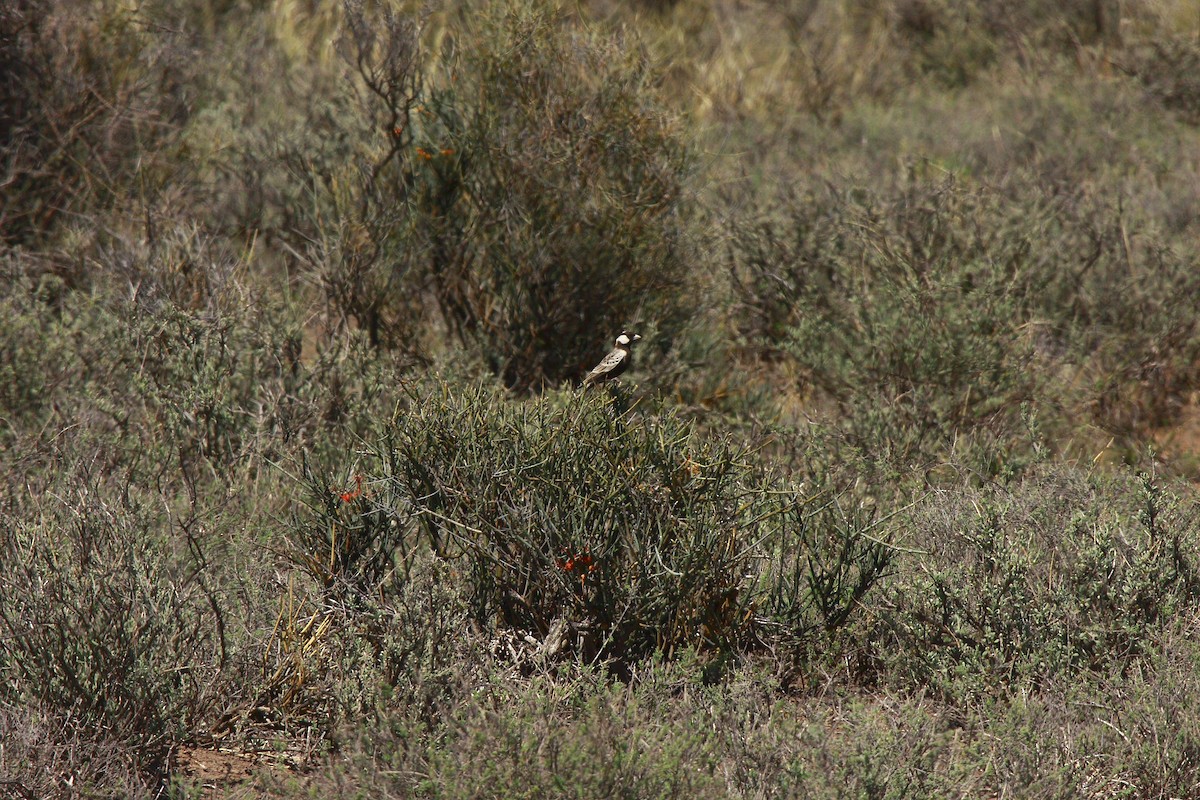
column 603, row 535
column 525, row 180
column 907, row 315
column 87, row 102
column 1169, row 68
column 173, row 347
column 358, row 223
column 160, row 384
column 939, row 310
column 739, row 739
column 1057, row 574
column 105, row 625
column 47, row 754
column 952, row 42
column 563, row 189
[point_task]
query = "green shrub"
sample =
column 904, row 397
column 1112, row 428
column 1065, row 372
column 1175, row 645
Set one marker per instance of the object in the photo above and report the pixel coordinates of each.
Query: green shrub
column 527, row 746
column 905, row 315
column 352, row 534
column 949, row 42
column 633, row 533
column 570, row 736
column 524, row 182
column 31, row 357
column 554, row 182
column 1055, row 575
column 196, row 360
column 359, row 224
column 600, row 534
column 233, row 512
column 822, row 565
column 337, row 656
column 942, row 310
column 414, row 649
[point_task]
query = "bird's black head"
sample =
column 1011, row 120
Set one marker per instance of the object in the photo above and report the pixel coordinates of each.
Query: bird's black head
column 626, row 339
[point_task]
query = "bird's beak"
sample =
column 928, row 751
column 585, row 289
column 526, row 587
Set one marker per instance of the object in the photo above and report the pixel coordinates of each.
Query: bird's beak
column 636, row 338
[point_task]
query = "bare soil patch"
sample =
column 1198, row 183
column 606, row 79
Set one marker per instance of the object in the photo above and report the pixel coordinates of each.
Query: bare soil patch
column 222, row 774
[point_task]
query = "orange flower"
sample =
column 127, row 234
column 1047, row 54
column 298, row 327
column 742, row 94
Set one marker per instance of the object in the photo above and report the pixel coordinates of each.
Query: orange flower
column 580, row 563
column 348, row 496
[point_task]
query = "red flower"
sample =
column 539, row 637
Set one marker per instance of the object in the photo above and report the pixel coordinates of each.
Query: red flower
column 348, row 496
column 580, row 564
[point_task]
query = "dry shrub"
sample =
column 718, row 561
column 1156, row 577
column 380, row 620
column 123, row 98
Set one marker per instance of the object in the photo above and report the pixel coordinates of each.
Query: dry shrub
column 88, row 101
column 107, row 623
column 555, row 182
column 1169, row 67
column 934, row 309
column 51, row 754
column 1056, row 576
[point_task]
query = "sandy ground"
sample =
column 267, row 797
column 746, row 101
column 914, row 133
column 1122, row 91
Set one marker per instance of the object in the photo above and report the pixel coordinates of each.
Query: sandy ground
column 225, row 775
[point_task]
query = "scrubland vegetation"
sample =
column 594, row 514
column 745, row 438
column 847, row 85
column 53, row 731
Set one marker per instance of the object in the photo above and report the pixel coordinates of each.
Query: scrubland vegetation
column 898, row 501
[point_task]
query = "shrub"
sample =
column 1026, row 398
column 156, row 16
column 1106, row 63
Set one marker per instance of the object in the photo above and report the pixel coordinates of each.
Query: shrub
column 601, row 535
column 952, row 42
column 351, row 536
column 905, row 315
column 571, row 736
column 1168, row 67
column 106, row 623
column 197, row 360
column 52, row 755
column 337, row 656
column 941, row 309
column 555, row 182
column 626, row 529
column 414, row 648
column 31, row 357
column 822, row 565
column 525, row 179
column 77, row 120
column 1056, row 575
column 357, row 153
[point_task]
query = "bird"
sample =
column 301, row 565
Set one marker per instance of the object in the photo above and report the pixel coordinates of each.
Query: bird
column 615, row 363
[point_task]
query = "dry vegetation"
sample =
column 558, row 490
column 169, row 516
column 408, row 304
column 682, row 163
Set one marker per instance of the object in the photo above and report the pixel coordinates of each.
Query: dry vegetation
column 297, row 482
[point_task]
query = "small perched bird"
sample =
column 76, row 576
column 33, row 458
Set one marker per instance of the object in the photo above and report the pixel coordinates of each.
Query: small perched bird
column 613, row 364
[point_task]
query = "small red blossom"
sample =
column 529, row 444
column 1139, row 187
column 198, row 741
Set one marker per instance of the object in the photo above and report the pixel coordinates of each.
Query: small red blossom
column 347, row 496
column 580, row 564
